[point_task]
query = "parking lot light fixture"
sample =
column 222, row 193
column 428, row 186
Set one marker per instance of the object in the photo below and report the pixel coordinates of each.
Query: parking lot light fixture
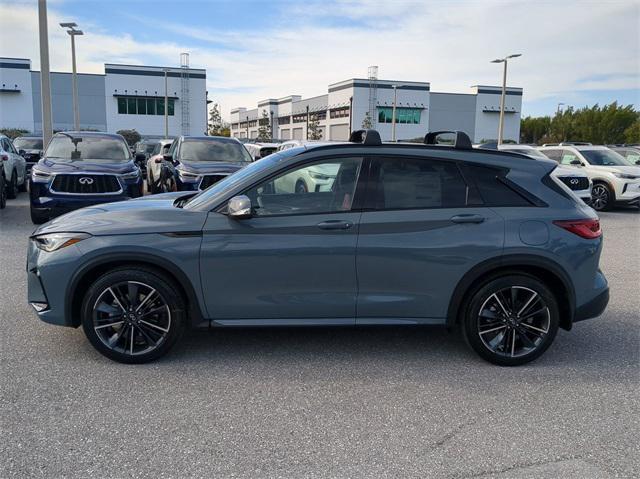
column 504, row 92
column 71, row 30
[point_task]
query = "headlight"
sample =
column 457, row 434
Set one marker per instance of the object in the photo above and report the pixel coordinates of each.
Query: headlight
column 624, row 176
column 320, row 176
column 186, row 176
column 39, row 175
column 132, row 175
column 55, row 241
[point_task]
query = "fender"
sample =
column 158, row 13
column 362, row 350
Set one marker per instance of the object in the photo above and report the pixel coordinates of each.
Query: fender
column 515, row 261
column 196, row 317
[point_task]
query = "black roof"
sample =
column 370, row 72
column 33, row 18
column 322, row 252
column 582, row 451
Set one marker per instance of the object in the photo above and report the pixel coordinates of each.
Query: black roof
column 90, row 134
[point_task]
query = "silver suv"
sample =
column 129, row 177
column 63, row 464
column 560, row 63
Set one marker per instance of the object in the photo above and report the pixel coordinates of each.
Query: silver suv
column 14, row 168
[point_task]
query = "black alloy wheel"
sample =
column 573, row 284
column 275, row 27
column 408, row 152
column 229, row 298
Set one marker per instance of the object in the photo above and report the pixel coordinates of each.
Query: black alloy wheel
column 133, row 315
column 511, row 320
column 601, row 197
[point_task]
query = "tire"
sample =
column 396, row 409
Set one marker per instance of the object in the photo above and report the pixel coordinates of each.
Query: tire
column 37, row 217
column 23, row 187
column 510, row 339
column 3, row 193
column 12, row 186
column 109, row 314
column 301, row 187
column 602, row 198
column 150, row 184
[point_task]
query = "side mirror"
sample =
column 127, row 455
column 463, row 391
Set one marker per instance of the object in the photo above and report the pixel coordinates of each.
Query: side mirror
column 141, row 157
column 41, row 153
column 637, row 162
column 575, row 163
column 166, row 157
column 22, row 152
column 239, row 207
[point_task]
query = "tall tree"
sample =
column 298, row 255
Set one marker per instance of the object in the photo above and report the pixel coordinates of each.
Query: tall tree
column 314, row 132
column 264, row 127
column 216, row 124
column 131, row 136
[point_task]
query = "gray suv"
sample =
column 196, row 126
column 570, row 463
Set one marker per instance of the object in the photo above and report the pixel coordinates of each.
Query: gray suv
column 405, row 234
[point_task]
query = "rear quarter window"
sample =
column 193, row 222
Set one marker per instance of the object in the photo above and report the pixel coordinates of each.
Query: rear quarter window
column 492, row 187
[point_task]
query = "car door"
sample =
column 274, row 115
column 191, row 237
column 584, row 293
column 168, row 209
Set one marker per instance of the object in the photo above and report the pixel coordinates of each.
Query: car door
column 293, row 260
column 20, row 162
column 419, row 234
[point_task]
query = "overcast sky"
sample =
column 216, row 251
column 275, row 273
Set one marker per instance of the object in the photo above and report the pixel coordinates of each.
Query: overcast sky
column 575, row 52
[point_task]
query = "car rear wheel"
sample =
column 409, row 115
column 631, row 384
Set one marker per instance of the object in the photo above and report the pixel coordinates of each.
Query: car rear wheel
column 301, row 187
column 601, row 197
column 12, row 186
column 511, row 320
column 133, row 315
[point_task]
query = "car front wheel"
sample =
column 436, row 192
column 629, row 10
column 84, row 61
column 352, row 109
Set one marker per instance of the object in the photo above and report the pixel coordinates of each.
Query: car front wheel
column 511, row 320
column 12, row 186
column 133, row 315
column 601, row 197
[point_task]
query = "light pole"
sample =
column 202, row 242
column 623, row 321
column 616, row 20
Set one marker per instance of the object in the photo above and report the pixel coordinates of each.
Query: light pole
column 45, row 80
column 166, row 104
column 504, row 92
column 74, row 75
column 558, row 109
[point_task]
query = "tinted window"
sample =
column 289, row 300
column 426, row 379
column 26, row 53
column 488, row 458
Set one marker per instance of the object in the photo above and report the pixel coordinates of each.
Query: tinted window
column 492, row 188
column 213, row 150
column 412, row 183
column 322, row 187
column 28, row 143
column 568, row 156
column 88, row 148
column 604, row 158
column 553, row 154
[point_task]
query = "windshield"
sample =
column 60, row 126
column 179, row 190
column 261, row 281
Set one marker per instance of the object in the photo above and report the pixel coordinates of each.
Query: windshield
column 604, row 158
column 630, row 155
column 213, row 150
column 529, row 152
column 87, row 148
column 28, row 143
column 238, row 177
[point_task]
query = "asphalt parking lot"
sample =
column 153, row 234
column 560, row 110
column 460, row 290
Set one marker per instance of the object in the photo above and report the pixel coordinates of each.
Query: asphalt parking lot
column 380, row 402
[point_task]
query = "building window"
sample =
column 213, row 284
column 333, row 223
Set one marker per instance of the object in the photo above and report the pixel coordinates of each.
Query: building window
column 403, row 115
column 144, row 106
column 284, row 120
column 342, row 112
column 320, row 115
column 300, row 118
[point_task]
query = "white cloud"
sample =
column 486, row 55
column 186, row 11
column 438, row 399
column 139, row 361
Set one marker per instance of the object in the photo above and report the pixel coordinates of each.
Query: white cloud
column 566, row 46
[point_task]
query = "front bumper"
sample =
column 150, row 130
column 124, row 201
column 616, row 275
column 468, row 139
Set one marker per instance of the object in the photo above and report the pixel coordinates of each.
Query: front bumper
column 629, row 193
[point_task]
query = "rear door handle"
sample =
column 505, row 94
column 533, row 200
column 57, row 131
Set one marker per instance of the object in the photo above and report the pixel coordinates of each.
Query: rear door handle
column 467, row 219
column 335, row 225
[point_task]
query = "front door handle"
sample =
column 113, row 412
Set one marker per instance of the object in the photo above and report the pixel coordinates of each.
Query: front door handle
column 467, row 219
column 335, row 225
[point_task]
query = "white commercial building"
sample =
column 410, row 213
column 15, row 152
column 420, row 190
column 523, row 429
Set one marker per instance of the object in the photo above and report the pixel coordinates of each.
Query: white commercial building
column 418, row 110
column 124, row 97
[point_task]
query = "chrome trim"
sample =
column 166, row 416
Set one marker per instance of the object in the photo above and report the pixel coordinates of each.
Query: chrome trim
column 110, row 193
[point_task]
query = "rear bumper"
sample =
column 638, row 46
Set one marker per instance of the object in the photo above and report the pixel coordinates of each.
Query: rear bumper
column 593, row 308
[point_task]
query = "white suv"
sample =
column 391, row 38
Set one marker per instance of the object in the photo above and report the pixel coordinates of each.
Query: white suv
column 614, row 179
column 14, row 168
column 576, row 180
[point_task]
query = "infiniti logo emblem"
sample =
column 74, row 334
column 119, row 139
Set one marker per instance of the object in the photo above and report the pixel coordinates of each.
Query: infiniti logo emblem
column 85, row 180
column 575, row 181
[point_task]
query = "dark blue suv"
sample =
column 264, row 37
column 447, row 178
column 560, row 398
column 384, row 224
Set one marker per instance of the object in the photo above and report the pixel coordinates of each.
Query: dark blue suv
column 201, row 161
column 82, row 169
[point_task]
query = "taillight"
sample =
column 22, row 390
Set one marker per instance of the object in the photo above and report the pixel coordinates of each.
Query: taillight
column 4, row 157
column 587, row 229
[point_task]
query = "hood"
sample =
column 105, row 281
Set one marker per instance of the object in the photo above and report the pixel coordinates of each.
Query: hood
column 628, row 169
column 153, row 214
column 569, row 171
column 210, row 167
column 86, row 166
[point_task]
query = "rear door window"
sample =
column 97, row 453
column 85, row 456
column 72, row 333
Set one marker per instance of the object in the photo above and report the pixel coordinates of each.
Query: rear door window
column 568, row 156
column 417, row 183
column 553, row 154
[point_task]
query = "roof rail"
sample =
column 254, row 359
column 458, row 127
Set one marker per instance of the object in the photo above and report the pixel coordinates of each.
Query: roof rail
column 551, row 144
column 461, row 140
column 366, row 137
column 489, row 145
column 575, row 143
